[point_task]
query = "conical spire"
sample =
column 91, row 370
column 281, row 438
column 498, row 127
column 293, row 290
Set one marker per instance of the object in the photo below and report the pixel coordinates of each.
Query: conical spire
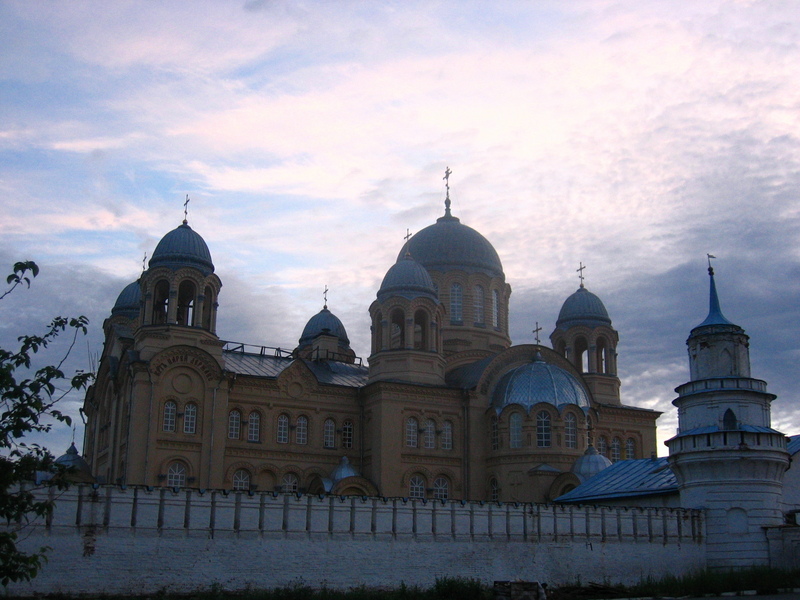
column 715, row 316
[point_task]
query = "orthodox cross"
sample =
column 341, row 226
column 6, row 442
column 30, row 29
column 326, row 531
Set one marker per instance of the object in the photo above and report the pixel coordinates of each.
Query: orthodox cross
column 186, row 209
column 710, row 268
column 325, row 296
column 447, row 173
column 407, row 236
column 580, row 270
column 536, row 333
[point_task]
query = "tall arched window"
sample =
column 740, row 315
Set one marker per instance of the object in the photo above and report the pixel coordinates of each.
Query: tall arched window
column 602, row 446
column 329, row 434
column 570, row 431
column 543, row 429
column 290, row 483
column 347, row 434
column 600, row 355
column 190, row 418
column 301, row 430
column 441, row 488
column 282, row 431
column 446, row 440
column 234, row 424
column 421, row 326
column 397, row 330
column 208, row 307
column 616, row 449
column 186, row 298
column 515, row 430
column 729, row 421
column 241, row 480
column 254, row 427
column 494, row 490
column 582, row 355
column 176, row 474
column 160, row 302
column 412, row 431
column 477, row 305
column 630, row 449
column 456, row 303
column 495, row 309
column 170, row 410
column 416, row 487
column 495, row 433
column 429, row 441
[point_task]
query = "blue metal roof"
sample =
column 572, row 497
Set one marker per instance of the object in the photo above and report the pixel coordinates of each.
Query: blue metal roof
column 182, row 247
column 324, row 322
column 327, row 372
column 467, row 376
column 128, row 301
column 407, row 278
column 582, row 308
column 794, row 445
column 716, row 429
column 623, row 479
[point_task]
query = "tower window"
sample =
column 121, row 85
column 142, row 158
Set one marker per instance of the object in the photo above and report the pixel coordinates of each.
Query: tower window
column 515, row 431
column 495, row 309
column 477, row 305
column 420, row 330
column 397, row 330
column 582, row 355
column 186, row 299
column 160, row 302
column 729, row 421
column 456, row 303
column 543, row 431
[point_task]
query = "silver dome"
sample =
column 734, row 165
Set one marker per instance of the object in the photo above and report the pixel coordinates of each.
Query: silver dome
column 539, row 381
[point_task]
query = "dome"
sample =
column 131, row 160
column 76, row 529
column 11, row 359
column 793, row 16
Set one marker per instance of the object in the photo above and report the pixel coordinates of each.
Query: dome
column 590, row 464
column 538, row 381
column 407, row 278
column 343, row 469
column 128, row 302
column 583, row 308
column 448, row 245
column 72, row 460
column 182, row 247
column 324, row 322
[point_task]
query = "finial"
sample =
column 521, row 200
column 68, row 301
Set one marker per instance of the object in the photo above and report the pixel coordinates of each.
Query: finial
column 536, row 333
column 144, row 262
column 325, row 298
column 186, row 210
column 447, row 173
column 407, row 237
column 580, row 271
column 73, row 434
column 710, row 268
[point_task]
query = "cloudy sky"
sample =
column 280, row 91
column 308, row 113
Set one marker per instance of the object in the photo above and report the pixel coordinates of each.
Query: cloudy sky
column 634, row 136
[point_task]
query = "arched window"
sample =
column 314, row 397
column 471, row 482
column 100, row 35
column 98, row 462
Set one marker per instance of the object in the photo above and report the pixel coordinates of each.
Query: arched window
column 441, row 488
column 456, row 303
column 630, row 449
column 170, row 410
column 329, row 434
column 421, row 330
column 176, row 474
column 515, row 430
column 495, row 309
column 416, row 487
column 208, row 307
column 397, row 329
column 234, row 424
column 494, row 490
column 495, row 434
column 543, row 429
column 241, row 480
column 570, row 431
column 301, row 431
column 377, row 332
column 582, row 355
column 347, row 434
column 729, row 421
column 186, row 298
column 254, row 427
column 601, row 354
column 446, row 440
column 412, row 430
column 477, row 305
column 190, row 418
column 290, row 483
column 429, row 440
column 616, row 449
column 602, row 446
column 160, row 302
column 282, row 431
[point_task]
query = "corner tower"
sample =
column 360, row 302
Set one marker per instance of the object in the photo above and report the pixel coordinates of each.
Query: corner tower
column 726, row 457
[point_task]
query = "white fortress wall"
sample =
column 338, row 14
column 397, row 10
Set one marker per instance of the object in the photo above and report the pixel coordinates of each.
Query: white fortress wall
column 106, row 539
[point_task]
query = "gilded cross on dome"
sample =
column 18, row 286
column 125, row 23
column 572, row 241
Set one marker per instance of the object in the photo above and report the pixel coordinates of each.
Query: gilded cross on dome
column 580, row 270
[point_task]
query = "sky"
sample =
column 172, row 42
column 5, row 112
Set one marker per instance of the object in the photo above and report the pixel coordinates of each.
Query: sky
column 632, row 136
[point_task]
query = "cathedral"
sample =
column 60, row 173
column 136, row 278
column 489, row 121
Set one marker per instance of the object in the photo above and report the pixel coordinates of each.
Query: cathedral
column 445, row 406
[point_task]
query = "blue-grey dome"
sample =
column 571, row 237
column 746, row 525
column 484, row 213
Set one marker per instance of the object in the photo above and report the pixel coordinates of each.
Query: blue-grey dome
column 128, row 302
column 539, row 381
column 590, row 464
column 407, row 278
column 324, row 322
column 72, row 460
column 447, row 245
column 583, row 308
column 183, row 247
column 343, row 469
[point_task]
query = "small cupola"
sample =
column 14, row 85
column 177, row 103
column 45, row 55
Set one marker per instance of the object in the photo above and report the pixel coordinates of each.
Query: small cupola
column 324, row 337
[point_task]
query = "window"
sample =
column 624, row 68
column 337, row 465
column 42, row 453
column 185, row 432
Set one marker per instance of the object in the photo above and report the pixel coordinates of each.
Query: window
column 429, row 440
column 495, row 309
column 416, row 487
column 397, row 338
column 186, row 294
column 495, row 434
column 570, row 431
column 602, row 446
column 282, row 432
column 616, row 447
column 515, row 431
column 456, row 303
column 494, row 490
column 241, row 480
column 301, row 431
column 170, row 410
column 441, row 488
column 160, row 302
column 543, row 429
column 176, row 475
column 254, row 427
column 412, row 429
column 477, row 305
column 190, row 418
column 421, row 320
column 630, row 449
column 446, row 440
column 290, row 483
column 234, row 424
column 347, row 434
column 582, row 355
column 329, row 434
